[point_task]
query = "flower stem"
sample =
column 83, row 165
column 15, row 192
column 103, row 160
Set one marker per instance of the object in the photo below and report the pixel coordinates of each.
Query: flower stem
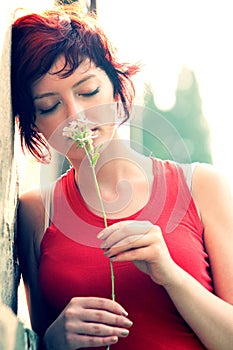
column 104, row 217
column 103, row 214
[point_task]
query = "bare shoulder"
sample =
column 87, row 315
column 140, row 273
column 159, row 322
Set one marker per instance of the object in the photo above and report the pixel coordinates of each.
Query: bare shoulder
column 212, row 194
column 207, row 172
column 31, row 202
column 31, row 209
column 210, row 184
column 30, row 219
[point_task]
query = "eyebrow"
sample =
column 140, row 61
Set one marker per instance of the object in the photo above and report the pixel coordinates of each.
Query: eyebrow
column 48, row 94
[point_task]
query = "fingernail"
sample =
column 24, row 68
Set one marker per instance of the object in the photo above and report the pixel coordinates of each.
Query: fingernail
column 124, row 313
column 107, row 253
column 128, row 323
column 124, row 332
column 100, row 235
column 114, row 340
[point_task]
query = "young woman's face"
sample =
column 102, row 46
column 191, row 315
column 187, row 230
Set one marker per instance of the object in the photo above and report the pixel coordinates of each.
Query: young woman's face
column 59, row 100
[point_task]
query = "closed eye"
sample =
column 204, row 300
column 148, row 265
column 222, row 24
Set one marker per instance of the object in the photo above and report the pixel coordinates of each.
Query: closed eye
column 92, row 93
column 49, row 110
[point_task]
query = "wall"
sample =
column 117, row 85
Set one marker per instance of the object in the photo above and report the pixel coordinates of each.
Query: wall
column 13, row 335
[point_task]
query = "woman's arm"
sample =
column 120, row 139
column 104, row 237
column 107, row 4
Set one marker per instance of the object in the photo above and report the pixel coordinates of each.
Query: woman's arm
column 213, row 197
column 30, row 232
column 209, row 315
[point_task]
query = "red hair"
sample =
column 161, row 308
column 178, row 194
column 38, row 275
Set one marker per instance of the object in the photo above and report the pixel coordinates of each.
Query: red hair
column 38, row 40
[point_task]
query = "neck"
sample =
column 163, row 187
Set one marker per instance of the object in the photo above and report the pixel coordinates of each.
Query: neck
column 124, row 177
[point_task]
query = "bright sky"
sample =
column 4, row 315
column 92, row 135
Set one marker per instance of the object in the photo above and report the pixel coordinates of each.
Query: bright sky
column 168, row 34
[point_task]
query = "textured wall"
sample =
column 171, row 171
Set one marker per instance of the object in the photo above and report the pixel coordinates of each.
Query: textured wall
column 8, row 179
column 13, row 335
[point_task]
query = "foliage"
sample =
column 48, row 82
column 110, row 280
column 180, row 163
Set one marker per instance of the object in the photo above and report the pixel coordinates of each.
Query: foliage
column 186, row 118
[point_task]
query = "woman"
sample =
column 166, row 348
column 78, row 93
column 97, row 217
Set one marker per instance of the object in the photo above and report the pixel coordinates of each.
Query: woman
column 170, row 245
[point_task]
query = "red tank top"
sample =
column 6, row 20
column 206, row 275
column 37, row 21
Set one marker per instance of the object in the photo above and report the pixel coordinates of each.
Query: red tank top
column 73, row 265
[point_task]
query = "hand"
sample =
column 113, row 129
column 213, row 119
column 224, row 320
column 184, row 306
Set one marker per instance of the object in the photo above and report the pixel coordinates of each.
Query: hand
column 142, row 243
column 87, row 322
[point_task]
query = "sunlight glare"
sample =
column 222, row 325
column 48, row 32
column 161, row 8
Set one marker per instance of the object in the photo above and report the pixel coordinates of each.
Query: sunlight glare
column 167, row 35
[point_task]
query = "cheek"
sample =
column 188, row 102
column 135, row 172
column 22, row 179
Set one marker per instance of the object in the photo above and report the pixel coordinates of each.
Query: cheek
column 52, row 130
column 102, row 114
column 48, row 124
column 103, row 110
column 43, row 128
column 109, row 93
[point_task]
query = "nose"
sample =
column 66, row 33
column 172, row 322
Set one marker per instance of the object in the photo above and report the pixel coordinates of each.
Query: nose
column 73, row 109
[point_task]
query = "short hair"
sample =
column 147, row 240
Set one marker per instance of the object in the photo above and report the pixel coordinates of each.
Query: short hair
column 38, row 40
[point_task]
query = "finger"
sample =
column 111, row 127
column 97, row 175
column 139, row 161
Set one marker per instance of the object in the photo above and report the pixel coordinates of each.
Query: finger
column 129, row 240
column 139, row 254
column 110, row 229
column 125, row 233
column 86, row 341
column 127, row 223
column 143, row 241
column 101, row 330
column 150, row 236
column 119, row 239
column 100, row 304
column 104, row 317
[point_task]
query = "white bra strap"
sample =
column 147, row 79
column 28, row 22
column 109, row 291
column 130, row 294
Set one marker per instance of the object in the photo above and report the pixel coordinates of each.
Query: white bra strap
column 188, row 170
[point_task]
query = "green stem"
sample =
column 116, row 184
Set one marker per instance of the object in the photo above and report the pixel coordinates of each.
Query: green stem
column 104, row 217
column 103, row 214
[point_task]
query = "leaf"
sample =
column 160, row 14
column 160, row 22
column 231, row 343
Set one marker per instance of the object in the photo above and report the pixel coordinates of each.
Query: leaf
column 90, row 147
column 94, row 159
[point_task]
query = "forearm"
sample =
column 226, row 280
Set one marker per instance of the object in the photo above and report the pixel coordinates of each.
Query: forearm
column 210, row 317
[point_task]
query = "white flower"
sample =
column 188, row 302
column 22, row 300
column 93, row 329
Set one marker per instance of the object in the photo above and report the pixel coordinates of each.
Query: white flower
column 79, row 132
